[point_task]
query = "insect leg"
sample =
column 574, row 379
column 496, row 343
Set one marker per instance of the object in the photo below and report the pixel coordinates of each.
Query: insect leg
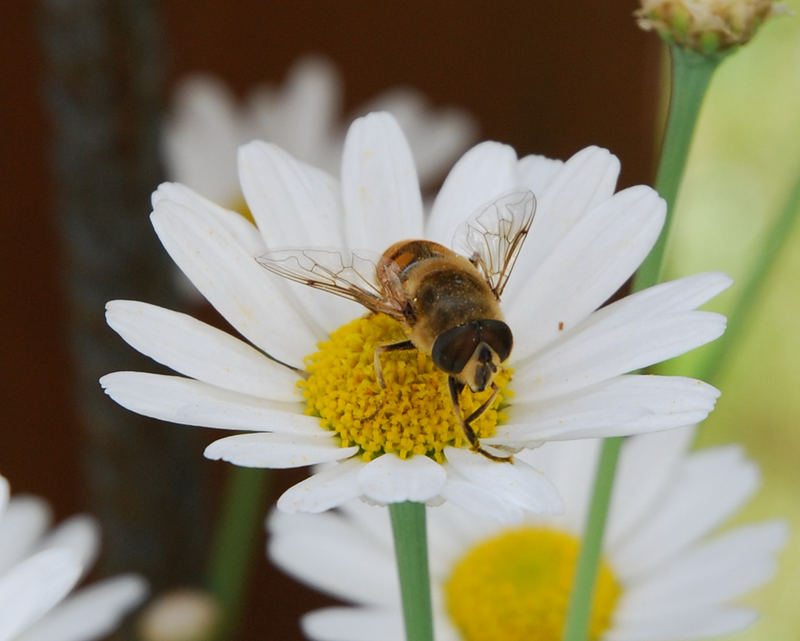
column 485, row 406
column 472, row 437
column 380, row 349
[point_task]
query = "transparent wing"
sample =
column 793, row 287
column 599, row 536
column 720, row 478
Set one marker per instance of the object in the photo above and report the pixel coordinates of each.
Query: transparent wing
column 493, row 237
column 348, row 274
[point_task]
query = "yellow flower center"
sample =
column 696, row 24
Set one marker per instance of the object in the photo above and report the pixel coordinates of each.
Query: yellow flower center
column 413, row 415
column 516, row 587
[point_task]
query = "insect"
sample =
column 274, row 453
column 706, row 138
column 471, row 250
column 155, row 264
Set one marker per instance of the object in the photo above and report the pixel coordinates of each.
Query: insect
column 447, row 303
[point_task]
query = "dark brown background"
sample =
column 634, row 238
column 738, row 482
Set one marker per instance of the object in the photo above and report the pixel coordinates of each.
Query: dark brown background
column 546, row 77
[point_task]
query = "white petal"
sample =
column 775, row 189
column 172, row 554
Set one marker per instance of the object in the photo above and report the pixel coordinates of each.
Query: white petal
column 199, row 140
column 480, row 501
column 646, row 466
column 482, row 174
column 680, row 295
column 90, row 613
column 435, row 136
column 373, row 520
column 200, row 351
column 443, row 628
column 327, row 552
column 354, row 624
column 293, row 204
column 300, row 114
column 296, row 206
column 698, row 625
column 278, row 450
column 189, row 402
column 325, row 489
column 586, row 179
column 708, row 488
column 514, row 487
column 229, row 277
column 589, row 264
column 620, row 406
column 389, row 479
column 602, row 348
column 570, row 467
column 452, row 530
column 536, row 172
column 719, row 570
column 33, row 587
column 23, row 523
column 641, row 329
column 241, row 230
column 380, row 189
column 80, row 534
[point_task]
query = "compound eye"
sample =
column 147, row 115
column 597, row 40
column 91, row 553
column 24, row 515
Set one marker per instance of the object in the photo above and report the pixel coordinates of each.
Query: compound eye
column 453, row 349
column 498, row 336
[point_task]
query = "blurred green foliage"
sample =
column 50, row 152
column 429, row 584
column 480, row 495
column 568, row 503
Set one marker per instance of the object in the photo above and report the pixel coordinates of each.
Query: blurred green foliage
column 744, row 161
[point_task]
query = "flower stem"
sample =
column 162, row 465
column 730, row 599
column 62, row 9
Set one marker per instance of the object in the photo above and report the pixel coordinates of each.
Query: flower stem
column 746, row 303
column 691, row 75
column 238, row 529
column 411, row 551
column 580, row 605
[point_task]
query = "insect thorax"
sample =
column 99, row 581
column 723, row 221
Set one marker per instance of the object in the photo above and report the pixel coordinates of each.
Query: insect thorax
column 445, row 293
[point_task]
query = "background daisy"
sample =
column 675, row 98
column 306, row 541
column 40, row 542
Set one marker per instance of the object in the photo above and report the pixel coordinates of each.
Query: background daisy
column 569, row 361
column 40, row 566
column 664, row 578
column 303, row 115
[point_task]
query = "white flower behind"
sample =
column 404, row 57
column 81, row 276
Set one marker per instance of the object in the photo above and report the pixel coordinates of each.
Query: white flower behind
column 666, row 578
column 39, row 568
column 303, row 115
column 570, row 360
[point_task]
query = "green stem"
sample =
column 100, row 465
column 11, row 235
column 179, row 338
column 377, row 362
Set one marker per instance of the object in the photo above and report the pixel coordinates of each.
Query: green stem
column 238, row 531
column 691, row 75
column 411, row 551
column 746, row 303
column 580, row 605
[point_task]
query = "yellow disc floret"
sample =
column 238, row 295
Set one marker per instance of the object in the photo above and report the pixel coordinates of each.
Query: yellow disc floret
column 516, row 587
column 413, row 415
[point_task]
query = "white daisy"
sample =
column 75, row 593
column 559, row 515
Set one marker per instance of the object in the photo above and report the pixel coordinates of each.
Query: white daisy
column 569, row 362
column 662, row 577
column 207, row 125
column 39, row 569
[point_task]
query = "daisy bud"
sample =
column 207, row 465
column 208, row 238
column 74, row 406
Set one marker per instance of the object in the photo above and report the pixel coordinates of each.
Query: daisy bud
column 707, row 26
column 180, row 615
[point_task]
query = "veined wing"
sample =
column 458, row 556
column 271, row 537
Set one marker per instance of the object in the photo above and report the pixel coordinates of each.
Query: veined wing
column 347, row 274
column 493, row 237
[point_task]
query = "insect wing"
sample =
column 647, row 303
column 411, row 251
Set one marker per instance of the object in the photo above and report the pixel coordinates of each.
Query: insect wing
column 492, row 238
column 347, row 274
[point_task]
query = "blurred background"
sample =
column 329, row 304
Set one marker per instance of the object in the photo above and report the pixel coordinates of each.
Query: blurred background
column 86, row 87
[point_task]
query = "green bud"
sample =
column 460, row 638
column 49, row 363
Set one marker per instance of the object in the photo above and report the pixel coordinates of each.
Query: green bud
column 706, row 26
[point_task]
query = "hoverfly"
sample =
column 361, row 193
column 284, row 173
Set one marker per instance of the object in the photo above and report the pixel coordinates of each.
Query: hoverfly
column 447, row 303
